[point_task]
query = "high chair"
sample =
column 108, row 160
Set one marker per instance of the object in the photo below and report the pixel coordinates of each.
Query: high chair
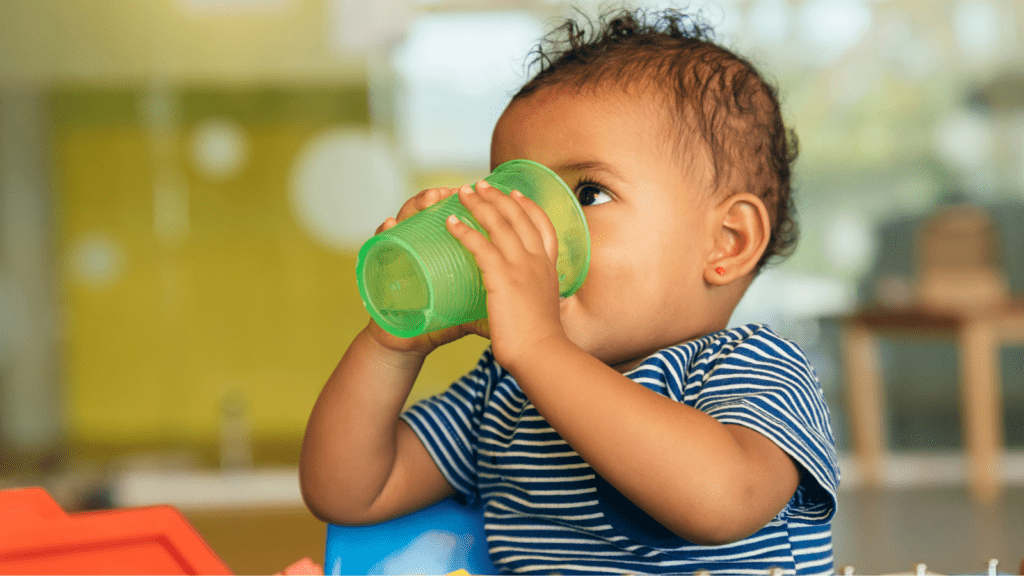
column 962, row 292
column 440, row 539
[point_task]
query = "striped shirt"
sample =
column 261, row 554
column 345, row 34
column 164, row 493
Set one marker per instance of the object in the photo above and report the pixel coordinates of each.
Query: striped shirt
column 547, row 511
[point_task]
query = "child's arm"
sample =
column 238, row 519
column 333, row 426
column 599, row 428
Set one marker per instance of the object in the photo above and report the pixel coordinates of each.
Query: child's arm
column 360, row 464
column 708, row 482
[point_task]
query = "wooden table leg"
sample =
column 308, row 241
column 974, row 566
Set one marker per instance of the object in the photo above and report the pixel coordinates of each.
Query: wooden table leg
column 864, row 400
column 982, row 408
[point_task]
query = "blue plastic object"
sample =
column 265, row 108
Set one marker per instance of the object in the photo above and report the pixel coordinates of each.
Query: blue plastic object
column 439, row 539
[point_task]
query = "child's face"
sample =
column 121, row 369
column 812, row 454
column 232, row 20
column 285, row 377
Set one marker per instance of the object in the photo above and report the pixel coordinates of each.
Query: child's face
column 650, row 226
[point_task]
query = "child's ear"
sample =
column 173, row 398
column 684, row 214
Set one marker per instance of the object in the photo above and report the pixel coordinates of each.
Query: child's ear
column 741, row 230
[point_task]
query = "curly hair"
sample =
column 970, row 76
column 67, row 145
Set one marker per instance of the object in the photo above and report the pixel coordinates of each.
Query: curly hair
column 715, row 96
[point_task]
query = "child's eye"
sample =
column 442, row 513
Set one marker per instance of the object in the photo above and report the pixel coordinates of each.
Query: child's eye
column 591, row 194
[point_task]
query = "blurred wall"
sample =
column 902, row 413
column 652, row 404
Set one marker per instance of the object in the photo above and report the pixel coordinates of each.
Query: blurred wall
column 186, row 287
column 181, row 288
column 134, row 42
column 174, row 174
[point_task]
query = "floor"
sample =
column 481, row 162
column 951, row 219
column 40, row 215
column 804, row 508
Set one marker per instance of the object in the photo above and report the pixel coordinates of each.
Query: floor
column 894, row 531
column 260, row 541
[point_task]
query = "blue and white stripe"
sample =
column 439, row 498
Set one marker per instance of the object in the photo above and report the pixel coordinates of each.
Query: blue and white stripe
column 547, row 511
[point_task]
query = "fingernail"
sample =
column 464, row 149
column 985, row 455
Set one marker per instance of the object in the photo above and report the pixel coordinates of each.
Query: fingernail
column 468, row 189
column 483, row 183
column 453, row 219
column 517, row 194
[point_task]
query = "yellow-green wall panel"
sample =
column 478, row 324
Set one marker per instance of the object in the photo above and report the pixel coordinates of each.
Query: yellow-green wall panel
column 246, row 302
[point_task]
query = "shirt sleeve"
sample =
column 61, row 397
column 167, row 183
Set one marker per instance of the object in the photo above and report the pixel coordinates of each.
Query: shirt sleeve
column 765, row 383
column 448, row 425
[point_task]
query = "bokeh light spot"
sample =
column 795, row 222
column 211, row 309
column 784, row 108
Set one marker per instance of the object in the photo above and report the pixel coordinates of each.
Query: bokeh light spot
column 220, row 148
column 97, row 261
column 344, row 184
column 850, row 243
column 831, row 28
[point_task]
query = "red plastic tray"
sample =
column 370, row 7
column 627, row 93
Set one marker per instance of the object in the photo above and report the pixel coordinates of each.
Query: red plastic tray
column 38, row 537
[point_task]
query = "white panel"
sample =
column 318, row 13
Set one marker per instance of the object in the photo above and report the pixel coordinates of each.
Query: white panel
column 459, row 71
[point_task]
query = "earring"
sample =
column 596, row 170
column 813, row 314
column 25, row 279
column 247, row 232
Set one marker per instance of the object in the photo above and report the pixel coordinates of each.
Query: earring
column 720, row 271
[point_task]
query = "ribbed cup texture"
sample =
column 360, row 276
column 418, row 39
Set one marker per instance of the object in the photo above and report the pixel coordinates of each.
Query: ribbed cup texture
column 417, row 277
column 454, row 288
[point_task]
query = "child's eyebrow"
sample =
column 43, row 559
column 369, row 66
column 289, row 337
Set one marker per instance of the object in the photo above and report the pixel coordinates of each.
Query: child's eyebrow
column 596, row 165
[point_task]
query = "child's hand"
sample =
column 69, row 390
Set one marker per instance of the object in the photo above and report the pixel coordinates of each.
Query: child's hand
column 518, row 268
column 424, row 343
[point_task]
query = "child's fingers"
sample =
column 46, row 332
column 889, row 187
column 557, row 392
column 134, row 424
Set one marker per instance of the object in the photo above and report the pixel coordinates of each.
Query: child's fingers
column 423, row 200
column 485, row 211
column 389, row 222
column 441, row 194
column 482, row 250
column 417, row 203
column 508, row 213
column 542, row 222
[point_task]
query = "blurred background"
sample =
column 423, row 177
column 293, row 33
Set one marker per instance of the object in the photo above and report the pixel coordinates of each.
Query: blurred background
column 184, row 185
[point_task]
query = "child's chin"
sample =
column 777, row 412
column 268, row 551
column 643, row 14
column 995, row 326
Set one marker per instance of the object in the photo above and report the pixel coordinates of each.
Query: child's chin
column 569, row 309
column 587, row 339
column 574, row 333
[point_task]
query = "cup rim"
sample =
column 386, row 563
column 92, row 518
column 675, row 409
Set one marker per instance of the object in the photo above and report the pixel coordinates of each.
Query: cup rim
column 577, row 210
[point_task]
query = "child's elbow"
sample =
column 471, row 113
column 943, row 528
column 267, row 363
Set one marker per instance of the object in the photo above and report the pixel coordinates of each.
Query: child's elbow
column 719, row 534
column 319, row 498
column 720, row 525
column 326, row 501
column 738, row 514
column 313, row 496
column 328, row 510
column 317, row 511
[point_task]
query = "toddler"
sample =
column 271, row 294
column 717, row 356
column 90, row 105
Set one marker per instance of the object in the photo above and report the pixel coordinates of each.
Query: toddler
column 624, row 428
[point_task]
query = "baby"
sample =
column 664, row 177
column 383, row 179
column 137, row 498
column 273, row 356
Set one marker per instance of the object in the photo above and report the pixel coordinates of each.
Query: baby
column 624, row 428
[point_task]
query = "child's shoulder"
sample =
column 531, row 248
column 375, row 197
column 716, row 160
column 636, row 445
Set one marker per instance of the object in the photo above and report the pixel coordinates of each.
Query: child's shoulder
column 731, row 340
column 759, row 337
column 741, row 346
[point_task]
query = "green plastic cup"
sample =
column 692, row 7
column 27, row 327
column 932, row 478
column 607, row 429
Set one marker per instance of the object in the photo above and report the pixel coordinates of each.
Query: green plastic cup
column 416, row 277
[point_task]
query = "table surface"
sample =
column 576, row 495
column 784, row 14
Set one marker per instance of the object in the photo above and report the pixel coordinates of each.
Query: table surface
column 919, row 317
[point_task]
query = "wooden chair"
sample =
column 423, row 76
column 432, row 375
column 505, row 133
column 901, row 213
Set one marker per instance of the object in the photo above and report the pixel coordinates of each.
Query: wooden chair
column 961, row 292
